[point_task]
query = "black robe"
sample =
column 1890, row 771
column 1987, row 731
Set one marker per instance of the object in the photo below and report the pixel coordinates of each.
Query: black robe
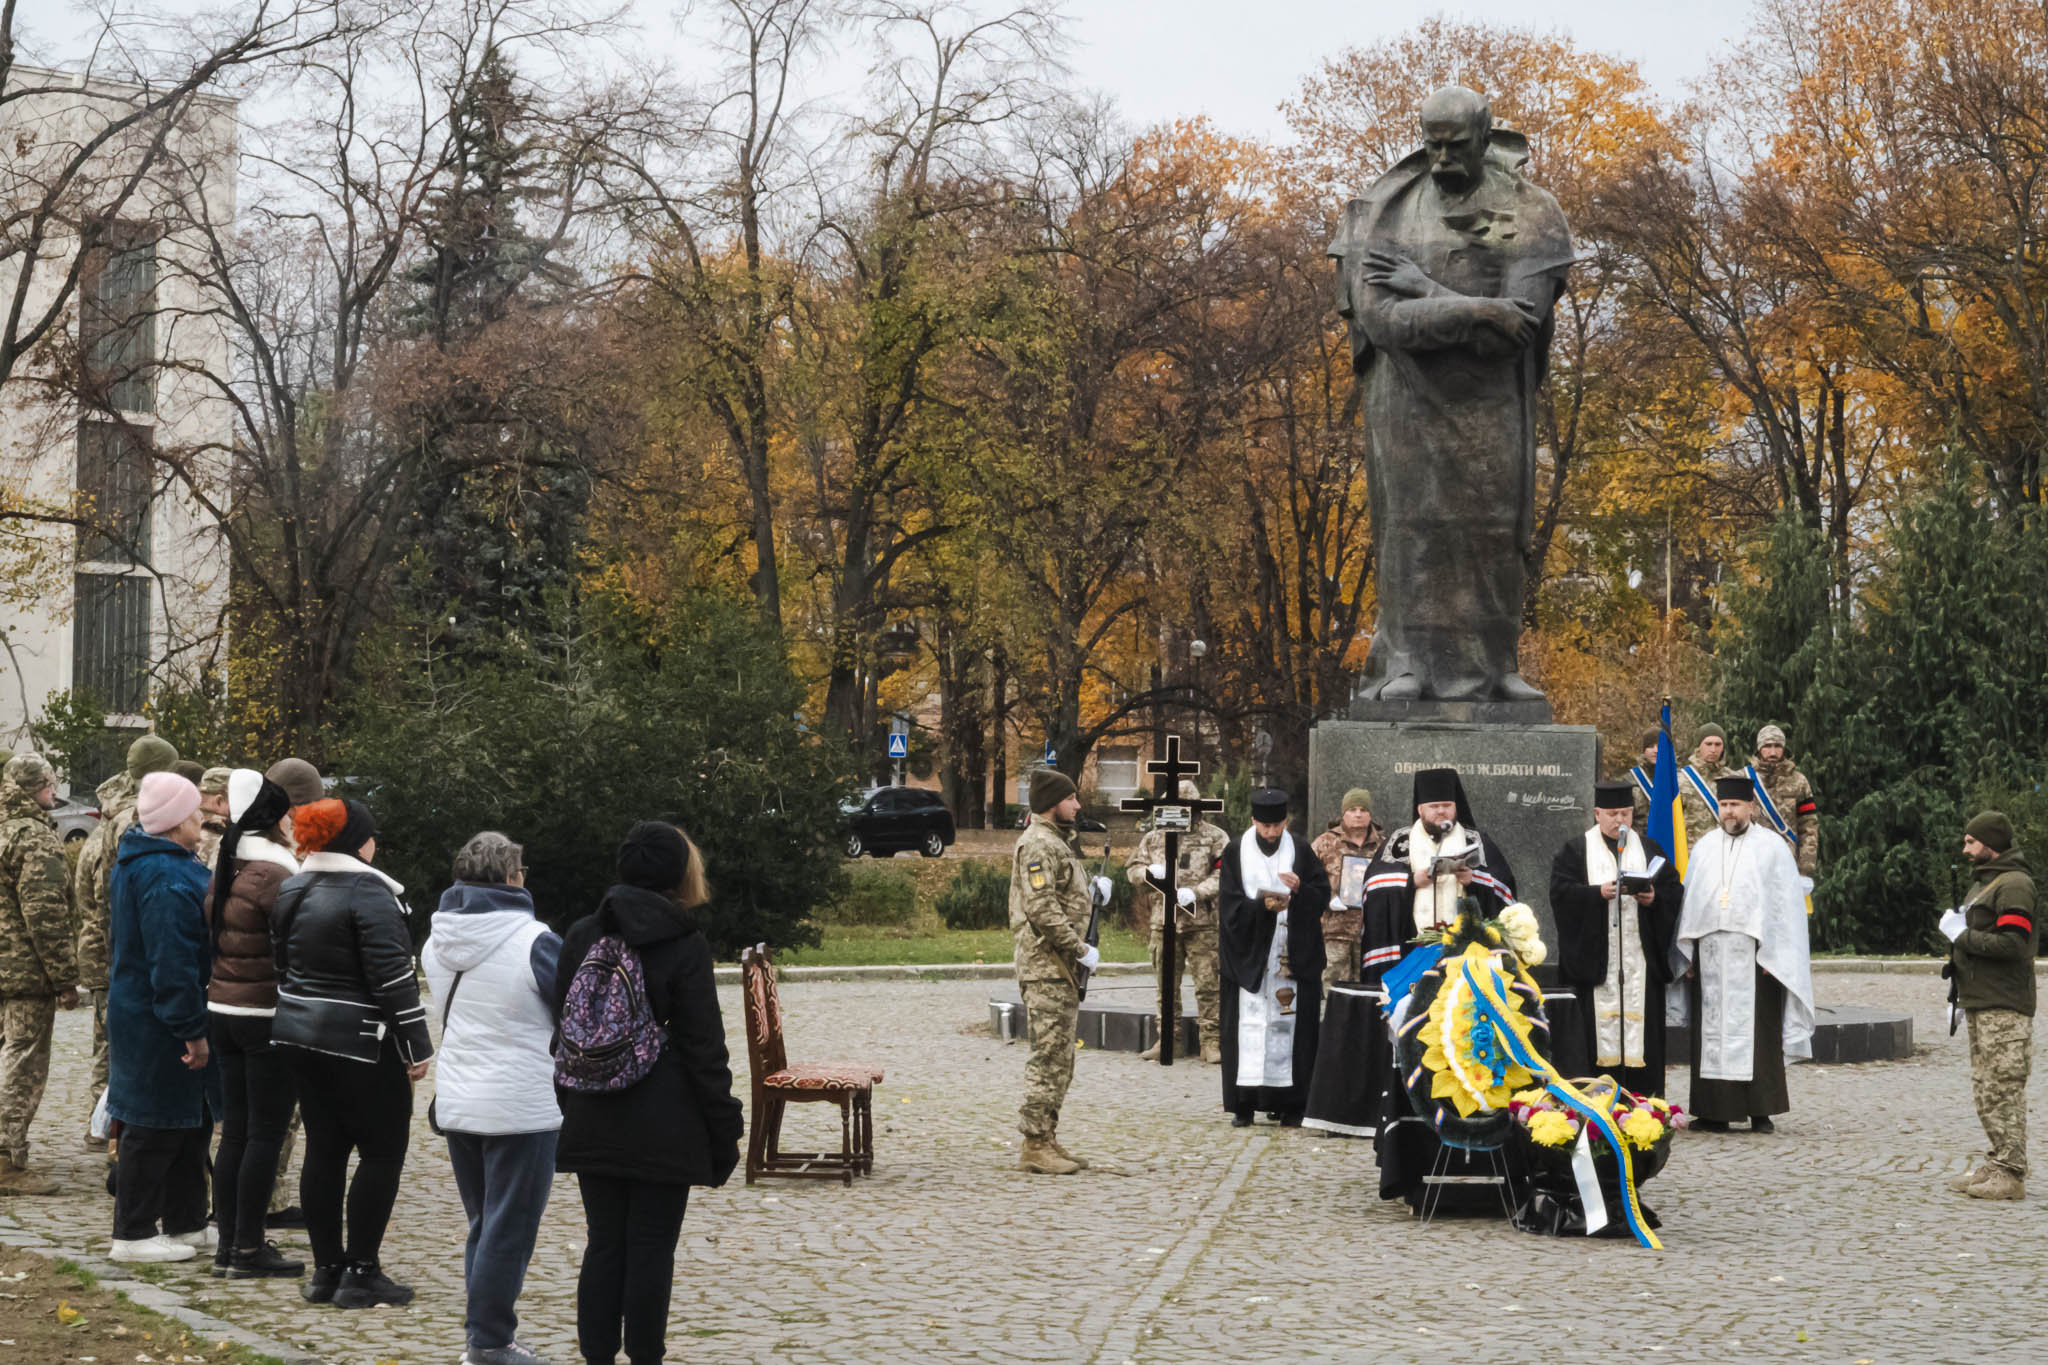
column 1582, row 948
column 1245, row 937
column 1406, row 1146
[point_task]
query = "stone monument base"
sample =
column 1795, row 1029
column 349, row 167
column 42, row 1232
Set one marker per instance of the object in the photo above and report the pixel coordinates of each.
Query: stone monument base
column 1530, row 784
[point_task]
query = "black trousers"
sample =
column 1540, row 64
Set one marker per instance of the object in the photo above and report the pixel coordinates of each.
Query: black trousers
column 629, row 1267
column 350, row 1106
column 160, row 1174
column 260, row 1093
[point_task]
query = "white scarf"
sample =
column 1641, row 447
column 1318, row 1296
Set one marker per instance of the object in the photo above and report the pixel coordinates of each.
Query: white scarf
column 347, row 862
column 254, row 848
column 1619, row 1000
column 1423, row 850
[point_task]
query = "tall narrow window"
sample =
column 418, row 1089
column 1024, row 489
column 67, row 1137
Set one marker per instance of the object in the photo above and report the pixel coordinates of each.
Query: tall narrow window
column 117, row 318
column 110, row 639
column 113, row 487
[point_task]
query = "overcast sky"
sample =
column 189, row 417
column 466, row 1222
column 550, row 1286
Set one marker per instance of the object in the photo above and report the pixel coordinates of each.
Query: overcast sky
column 1234, row 60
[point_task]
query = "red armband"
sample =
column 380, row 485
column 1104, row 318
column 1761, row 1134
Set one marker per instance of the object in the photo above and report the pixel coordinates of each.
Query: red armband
column 2010, row 920
column 1807, row 808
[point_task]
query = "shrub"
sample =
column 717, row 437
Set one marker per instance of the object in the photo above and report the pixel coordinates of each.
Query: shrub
column 876, row 894
column 978, row 898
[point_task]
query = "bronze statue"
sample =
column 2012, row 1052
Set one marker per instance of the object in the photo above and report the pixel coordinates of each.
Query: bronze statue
column 1447, row 271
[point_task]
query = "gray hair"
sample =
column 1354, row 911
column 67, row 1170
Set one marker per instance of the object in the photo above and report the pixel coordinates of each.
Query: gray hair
column 488, row 857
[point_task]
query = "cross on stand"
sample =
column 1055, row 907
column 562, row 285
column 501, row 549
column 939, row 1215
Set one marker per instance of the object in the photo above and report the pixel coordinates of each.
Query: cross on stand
column 1172, row 814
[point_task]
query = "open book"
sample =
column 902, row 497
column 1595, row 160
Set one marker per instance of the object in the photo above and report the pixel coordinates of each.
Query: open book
column 1633, row 882
column 1452, row 861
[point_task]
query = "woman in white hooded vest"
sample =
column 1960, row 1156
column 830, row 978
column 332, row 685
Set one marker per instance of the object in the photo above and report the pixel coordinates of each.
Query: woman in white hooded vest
column 490, row 966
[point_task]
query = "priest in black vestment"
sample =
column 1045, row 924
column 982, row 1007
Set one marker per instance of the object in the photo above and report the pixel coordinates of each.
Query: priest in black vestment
column 1270, row 913
column 1613, row 942
column 1408, row 896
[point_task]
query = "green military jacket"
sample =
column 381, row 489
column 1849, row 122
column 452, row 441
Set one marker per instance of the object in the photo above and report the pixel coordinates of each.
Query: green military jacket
column 93, row 876
column 1049, row 903
column 37, row 927
column 1701, row 813
column 1201, row 871
column 1993, row 958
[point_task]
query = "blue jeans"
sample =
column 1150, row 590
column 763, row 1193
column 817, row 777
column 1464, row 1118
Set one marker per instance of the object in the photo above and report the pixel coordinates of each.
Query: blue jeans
column 504, row 1182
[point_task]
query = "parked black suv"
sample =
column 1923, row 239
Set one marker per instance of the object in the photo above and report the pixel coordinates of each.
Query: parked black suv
column 892, row 819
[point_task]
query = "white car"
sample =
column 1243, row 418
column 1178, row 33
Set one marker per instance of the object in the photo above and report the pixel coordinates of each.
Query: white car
column 74, row 817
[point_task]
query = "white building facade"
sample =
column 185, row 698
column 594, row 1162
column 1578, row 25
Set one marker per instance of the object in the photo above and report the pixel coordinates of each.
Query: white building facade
column 115, row 583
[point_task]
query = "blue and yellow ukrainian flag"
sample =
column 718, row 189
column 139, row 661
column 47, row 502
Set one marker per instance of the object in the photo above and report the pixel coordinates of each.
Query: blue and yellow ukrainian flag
column 1666, row 823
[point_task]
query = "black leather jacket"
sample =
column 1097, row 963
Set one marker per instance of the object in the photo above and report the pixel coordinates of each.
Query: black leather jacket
column 344, row 965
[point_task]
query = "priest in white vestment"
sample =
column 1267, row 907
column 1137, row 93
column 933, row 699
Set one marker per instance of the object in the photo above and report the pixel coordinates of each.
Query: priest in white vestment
column 1272, row 892
column 1742, row 946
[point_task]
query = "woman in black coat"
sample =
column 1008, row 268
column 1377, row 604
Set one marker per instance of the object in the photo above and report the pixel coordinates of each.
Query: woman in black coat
column 635, row 1152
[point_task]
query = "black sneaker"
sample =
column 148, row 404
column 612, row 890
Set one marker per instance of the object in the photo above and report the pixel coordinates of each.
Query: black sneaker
column 264, row 1263
column 293, row 1217
column 220, row 1262
column 320, row 1286
column 364, row 1285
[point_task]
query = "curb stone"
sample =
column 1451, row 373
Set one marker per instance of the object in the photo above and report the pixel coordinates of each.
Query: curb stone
column 933, row 971
column 155, row 1297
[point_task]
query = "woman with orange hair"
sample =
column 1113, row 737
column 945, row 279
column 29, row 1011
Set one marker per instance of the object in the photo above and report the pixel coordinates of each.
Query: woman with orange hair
column 350, row 1019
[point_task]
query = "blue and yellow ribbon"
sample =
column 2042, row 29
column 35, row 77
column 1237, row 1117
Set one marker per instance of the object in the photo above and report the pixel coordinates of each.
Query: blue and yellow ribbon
column 1510, row 1031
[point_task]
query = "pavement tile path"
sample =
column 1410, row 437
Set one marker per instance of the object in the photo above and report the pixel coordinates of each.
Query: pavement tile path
column 1829, row 1241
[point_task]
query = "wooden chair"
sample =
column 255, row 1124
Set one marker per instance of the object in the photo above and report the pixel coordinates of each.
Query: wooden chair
column 778, row 1085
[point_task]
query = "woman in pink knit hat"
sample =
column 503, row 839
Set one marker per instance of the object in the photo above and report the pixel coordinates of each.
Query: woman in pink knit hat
column 161, row 1074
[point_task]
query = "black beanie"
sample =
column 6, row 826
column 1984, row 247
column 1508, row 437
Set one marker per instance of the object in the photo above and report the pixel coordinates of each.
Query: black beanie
column 654, row 856
column 357, row 830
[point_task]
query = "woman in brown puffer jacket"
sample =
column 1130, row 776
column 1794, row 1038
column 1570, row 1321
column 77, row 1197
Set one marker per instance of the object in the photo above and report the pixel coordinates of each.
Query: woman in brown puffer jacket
column 255, row 859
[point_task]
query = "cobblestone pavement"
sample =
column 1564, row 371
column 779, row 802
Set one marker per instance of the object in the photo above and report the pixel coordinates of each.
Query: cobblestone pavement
column 1831, row 1240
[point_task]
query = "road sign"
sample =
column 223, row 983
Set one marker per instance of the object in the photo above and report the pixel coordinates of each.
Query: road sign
column 1052, row 756
column 899, row 746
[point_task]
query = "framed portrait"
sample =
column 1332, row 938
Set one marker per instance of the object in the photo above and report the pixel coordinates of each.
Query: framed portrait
column 1351, row 881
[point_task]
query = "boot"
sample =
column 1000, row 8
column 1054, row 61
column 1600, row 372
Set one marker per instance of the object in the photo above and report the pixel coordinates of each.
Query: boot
column 1961, row 1183
column 1150, row 1054
column 19, row 1179
column 1053, row 1141
column 1042, row 1158
column 1999, row 1184
column 365, row 1285
column 265, row 1262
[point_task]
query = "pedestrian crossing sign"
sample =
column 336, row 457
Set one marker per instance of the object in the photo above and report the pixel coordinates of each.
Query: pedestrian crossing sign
column 899, row 746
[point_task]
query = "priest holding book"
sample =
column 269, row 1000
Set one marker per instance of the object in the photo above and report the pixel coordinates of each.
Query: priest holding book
column 1617, row 901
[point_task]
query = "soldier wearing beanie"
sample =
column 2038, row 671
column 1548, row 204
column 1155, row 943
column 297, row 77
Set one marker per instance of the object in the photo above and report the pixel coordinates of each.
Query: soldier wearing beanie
column 1051, row 900
column 213, row 808
column 38, row 959
column 300, row 780
column 1198, row 879
column 1993, row 940
column 1696, row 783
column 1354, row 834
column 1786, row 799
column 91, row 879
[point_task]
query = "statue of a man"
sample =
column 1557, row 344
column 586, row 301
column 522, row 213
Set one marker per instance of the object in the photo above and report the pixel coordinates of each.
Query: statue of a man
column 1447, row 271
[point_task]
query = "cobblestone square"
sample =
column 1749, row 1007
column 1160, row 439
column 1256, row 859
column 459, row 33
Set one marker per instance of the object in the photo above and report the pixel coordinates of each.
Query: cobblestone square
column 1831, row 1240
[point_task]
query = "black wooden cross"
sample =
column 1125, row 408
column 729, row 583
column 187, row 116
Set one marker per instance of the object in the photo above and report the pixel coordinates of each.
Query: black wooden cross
column 1167, row 774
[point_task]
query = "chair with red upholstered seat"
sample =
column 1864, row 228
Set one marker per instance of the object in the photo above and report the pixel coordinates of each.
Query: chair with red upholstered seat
column 777, row 1085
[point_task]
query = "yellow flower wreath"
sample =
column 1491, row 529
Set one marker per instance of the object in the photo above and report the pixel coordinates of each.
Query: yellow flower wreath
column 1450, row 1042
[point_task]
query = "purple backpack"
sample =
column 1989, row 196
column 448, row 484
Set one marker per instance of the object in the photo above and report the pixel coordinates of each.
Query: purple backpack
column 610, row 1037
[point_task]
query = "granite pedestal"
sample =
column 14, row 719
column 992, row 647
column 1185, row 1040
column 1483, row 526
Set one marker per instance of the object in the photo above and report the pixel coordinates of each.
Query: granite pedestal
column 1531, row 785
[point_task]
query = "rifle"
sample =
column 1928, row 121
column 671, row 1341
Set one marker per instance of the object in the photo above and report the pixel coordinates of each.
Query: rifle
column 1093, row 938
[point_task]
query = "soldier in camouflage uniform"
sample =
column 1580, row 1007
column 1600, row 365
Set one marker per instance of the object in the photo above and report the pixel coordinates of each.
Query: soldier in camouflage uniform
column 1701, row 813
column 38, row 958
column 1051, row 897
column 213, row 811
column 1792, row 794
column 1198, row 878
column 1355, row 835
column 89, row 882
column 1993, row 942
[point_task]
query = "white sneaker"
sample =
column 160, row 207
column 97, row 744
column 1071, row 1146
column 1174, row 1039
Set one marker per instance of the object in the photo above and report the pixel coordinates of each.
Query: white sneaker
column 157, row 1248
column 206, row 1239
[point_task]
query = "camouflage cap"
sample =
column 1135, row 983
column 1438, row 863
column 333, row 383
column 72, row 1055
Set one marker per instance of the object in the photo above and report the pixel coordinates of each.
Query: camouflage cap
column 30, row 772
column 214, row 781
column 1770, row 734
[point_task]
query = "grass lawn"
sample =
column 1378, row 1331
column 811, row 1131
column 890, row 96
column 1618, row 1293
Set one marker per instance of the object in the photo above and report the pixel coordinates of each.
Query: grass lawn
column 854, row 945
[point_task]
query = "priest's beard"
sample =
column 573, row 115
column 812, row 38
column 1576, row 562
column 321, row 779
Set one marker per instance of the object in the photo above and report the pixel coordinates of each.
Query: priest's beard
column 1266, row 846
column 1735, row 825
